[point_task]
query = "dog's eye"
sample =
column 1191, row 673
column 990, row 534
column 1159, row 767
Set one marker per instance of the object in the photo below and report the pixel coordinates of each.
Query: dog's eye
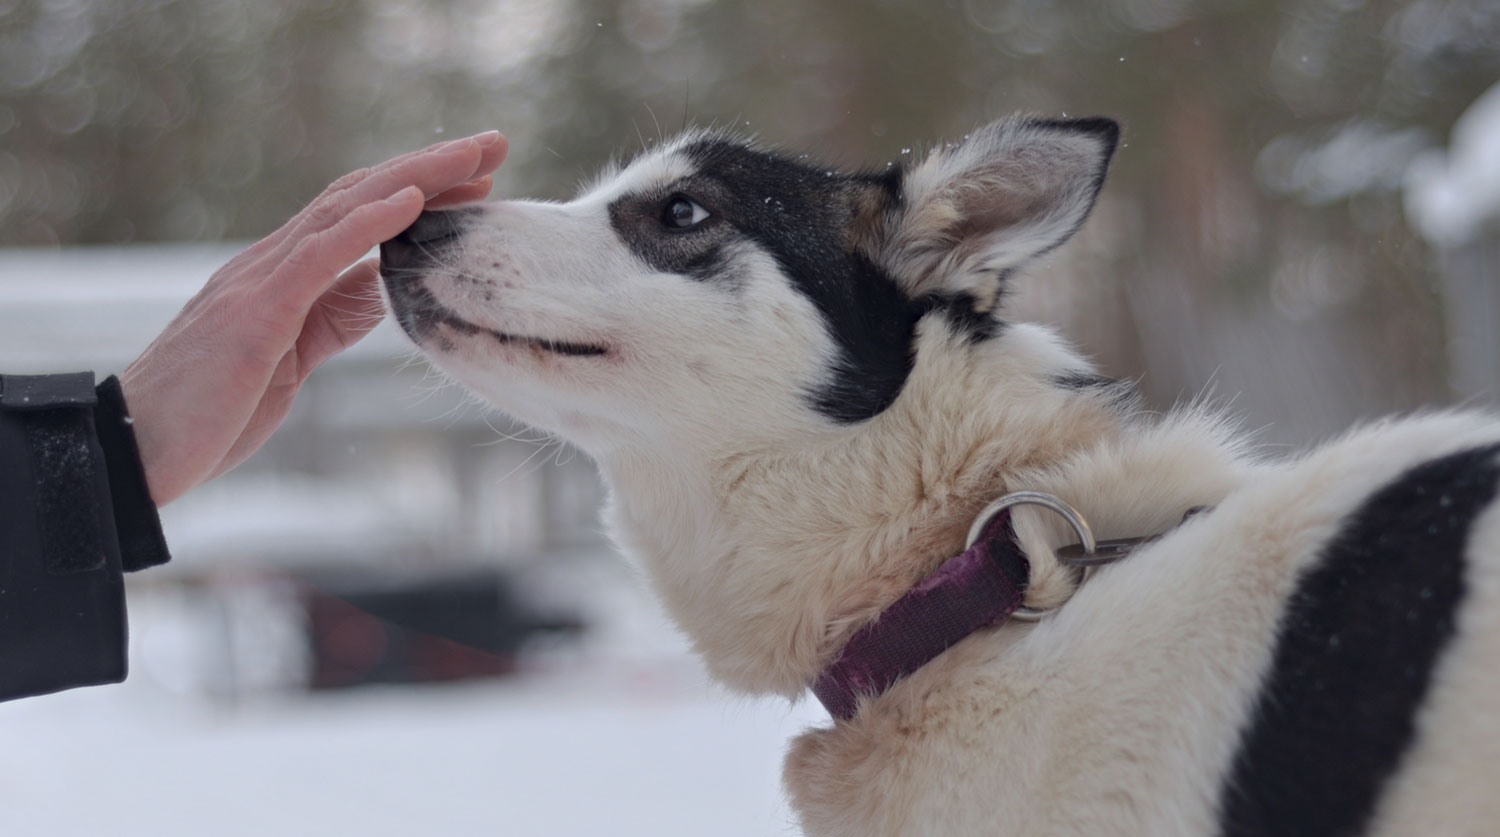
column 681, row 213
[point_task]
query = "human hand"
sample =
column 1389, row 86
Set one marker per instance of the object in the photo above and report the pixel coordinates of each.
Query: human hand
column 219, row 379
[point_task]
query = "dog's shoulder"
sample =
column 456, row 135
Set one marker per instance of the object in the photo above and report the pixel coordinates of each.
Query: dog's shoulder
column 1379, row 639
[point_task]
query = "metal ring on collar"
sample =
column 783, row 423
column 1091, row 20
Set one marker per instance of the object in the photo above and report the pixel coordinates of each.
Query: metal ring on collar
column 1048, row 501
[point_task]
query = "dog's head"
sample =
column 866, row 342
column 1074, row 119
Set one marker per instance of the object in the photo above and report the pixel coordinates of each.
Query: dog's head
column 712, row 290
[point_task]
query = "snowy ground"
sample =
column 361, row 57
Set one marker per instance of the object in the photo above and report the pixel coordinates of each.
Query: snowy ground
column 620, row 736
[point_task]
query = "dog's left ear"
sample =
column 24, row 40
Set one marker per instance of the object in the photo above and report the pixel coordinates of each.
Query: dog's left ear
column 969, row 214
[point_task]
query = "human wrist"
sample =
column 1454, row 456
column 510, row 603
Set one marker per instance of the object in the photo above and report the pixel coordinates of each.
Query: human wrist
column 143, row 435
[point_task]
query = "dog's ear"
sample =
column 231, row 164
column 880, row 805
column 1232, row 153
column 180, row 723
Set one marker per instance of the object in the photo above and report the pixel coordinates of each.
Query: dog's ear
column 970, row 213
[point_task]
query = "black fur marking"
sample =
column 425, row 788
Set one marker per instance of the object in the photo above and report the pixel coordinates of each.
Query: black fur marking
column 804, row 217
column 961, row 312
column 1083, row 380
column 1106, row 129
column 1120, row 394
column 707, row 264
column 1355, row 656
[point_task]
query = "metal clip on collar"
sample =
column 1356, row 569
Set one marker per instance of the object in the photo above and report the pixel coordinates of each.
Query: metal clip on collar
column 1068, row 513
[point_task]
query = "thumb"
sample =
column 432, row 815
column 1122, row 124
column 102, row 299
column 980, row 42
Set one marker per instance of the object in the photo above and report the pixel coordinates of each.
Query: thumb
column 344, row 313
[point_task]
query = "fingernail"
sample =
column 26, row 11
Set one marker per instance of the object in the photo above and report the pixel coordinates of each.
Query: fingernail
column 487, row 138
column 403, row 195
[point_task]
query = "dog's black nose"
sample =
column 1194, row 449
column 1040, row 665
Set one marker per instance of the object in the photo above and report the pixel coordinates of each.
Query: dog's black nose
column 427, row 235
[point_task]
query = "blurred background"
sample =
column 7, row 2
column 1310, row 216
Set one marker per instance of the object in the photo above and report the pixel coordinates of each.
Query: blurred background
column 401, row 614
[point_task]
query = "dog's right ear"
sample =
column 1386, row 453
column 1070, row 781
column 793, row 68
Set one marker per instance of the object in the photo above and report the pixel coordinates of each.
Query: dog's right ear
column 971, row 213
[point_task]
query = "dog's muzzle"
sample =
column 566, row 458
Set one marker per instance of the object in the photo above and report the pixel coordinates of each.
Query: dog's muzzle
column 405, row 259
column 420, row 243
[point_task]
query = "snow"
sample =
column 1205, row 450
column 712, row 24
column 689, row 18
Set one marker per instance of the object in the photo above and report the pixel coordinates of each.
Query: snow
column 99, row 307
column 620, row 737
column 294, row 516
column 1452, row 195
column 539, row 758
column 491, row 759
column 1359, row 155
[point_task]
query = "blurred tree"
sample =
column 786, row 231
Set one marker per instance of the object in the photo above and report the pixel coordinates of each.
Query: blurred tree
column 1254, row 210
column 148, row 120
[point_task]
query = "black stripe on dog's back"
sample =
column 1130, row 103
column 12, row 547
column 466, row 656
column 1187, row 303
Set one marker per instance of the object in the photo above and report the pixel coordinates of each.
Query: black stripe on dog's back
column 1355, row 656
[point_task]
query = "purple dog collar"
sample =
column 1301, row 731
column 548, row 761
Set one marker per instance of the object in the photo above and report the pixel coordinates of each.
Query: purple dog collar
column 980, row 587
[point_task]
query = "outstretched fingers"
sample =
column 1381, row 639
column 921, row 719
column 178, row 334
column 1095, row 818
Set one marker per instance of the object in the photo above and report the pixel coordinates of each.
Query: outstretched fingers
column 474, row 190
column 316, row 260
column 444, row 167
column 434, row 170
column 492, row 150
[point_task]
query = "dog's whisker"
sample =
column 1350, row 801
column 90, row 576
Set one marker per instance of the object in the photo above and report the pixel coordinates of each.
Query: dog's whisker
column 525, row 462
column 638, row 134
column 660, row 137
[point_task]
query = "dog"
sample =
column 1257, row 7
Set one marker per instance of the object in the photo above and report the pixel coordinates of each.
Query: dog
column 801, row 387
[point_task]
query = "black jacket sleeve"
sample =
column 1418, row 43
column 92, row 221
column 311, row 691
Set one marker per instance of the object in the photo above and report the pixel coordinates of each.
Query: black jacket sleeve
column 75, row 513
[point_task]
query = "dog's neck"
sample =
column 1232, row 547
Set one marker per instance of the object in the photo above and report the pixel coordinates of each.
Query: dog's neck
column 770, row 560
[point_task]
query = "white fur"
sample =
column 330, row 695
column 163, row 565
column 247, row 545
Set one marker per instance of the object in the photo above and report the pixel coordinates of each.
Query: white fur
column 771, row 534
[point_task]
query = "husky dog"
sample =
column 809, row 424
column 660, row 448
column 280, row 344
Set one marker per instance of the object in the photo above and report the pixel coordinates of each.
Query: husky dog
column 801, row 387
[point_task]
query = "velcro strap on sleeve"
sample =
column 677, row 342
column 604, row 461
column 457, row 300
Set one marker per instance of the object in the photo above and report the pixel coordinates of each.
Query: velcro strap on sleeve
column 47, row 392
column 57, row 414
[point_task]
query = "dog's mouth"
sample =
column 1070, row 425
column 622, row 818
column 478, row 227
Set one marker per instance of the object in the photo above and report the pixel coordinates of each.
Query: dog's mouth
column 420, row 315
column 561, row 347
